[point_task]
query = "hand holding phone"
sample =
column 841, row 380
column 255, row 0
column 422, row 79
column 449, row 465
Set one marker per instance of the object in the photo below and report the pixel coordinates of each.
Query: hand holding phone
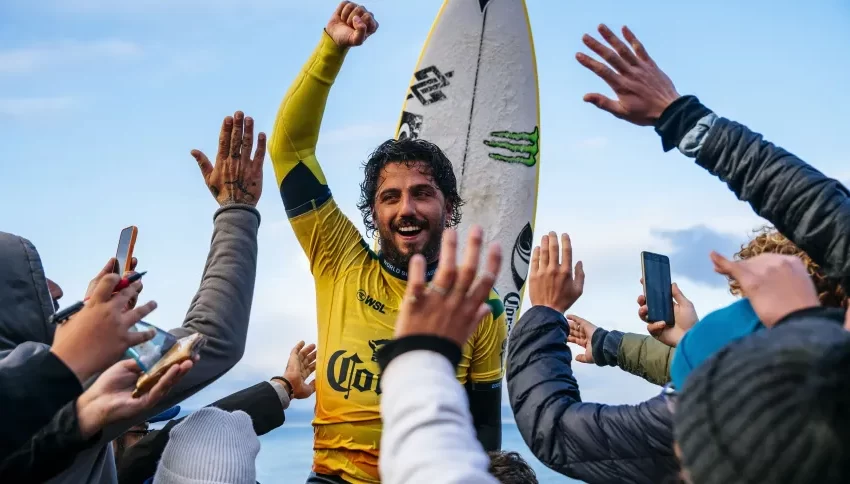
column 657, row 287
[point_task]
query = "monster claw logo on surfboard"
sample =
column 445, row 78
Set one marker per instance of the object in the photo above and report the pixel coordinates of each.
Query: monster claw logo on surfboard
column 471, row 95
column 522, row 146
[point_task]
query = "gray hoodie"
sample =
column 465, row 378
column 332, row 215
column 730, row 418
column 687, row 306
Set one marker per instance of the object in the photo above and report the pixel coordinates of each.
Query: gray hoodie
column 220, row 310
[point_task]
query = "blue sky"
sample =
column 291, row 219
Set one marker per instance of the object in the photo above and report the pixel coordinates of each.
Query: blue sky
column 101, row 102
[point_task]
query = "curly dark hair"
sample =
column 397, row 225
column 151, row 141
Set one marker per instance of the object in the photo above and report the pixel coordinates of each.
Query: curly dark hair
column 768, row 240
column 409, row 151
column 510, row 468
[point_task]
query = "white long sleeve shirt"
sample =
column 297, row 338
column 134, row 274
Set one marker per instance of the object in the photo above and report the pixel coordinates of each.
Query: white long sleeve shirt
column 428, row 434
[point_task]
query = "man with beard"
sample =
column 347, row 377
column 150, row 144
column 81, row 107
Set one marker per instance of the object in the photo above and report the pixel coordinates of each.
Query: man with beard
column 409, row 196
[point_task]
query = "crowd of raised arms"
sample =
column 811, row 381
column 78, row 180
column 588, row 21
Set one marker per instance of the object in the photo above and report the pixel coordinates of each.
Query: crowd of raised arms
column 757, row 391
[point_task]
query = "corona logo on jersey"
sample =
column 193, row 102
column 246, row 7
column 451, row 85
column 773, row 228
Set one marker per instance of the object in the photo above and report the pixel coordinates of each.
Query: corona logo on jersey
column 347, row 372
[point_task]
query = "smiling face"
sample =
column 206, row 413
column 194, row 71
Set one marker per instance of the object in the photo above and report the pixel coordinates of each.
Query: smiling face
column 410, row 212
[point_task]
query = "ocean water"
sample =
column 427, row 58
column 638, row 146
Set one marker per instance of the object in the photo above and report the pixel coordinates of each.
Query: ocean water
column 286, row 454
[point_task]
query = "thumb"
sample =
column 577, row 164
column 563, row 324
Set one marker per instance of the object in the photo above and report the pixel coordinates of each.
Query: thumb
column 605, row 104
column 579, row 274
column 583, row 358
column 359, row 34
column 656, row 328
column 107, row 269
column 678, row 295
column 482, row 312
column 724, row 266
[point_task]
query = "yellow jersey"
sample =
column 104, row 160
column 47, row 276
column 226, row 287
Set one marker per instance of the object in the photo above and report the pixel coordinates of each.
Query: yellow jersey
column 357, row 292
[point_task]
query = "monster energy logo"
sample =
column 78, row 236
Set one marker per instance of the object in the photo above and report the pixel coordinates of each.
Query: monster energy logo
column 523, row 146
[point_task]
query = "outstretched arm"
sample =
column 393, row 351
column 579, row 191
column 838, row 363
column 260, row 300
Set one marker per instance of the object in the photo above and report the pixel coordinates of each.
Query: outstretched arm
column 811, row 209
column 591, row 442
column 588, row 441
column 326, row 235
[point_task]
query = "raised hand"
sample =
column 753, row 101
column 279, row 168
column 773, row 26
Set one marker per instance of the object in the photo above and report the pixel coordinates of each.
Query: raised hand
column 351, row 24
column 684, row 315
column 643, row 90
column 301, row 364
column 775, row 284
column 97, row 336
column 452, row 306
column 110, row 399
column 552, row 282
column 581, row 333
column 236, row 177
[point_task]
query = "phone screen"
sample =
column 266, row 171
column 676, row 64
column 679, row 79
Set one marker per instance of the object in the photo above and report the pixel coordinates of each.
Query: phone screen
column 657, row 287
column 123, row 252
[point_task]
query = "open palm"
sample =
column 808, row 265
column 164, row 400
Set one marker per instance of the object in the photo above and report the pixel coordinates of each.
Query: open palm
column 301, row 364
column 581, row 333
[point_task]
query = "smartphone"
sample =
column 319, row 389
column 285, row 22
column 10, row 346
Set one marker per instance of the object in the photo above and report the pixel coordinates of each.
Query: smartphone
column 124, row 253
column 657, row 287
column 184, row 349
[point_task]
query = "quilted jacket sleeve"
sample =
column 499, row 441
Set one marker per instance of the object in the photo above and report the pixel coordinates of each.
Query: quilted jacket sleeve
column 592, row 442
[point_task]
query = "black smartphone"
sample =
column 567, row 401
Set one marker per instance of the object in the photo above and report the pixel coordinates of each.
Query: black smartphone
column 124, row 253
column 657, row 287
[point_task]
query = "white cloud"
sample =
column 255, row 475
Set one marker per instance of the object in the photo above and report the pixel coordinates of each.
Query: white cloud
column 25, row 60
column 37, row 106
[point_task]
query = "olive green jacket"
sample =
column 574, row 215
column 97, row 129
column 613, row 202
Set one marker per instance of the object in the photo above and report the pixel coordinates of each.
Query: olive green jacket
column 638, row 354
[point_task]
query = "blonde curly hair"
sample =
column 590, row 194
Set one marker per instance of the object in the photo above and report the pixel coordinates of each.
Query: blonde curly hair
column 768, row 240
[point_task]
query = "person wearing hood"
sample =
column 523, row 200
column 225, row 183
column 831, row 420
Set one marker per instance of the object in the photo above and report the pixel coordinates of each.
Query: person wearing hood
column 220, row 309
column 67, row 364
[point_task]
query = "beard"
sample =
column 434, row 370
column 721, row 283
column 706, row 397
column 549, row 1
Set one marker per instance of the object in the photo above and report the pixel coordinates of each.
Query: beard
column 400, row 256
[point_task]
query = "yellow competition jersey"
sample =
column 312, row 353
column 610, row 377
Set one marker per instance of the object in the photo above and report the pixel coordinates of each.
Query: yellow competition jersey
column 357, row 292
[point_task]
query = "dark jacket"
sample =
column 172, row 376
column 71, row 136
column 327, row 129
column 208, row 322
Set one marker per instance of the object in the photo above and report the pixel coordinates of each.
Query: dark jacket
column 805, row 205
column 592, row 442
column 33, row 392
column 50, row 451
column 261, row 402
column 220, row 310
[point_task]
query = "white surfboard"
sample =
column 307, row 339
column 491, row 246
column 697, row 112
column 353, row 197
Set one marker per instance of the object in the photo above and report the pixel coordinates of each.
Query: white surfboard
column 474, row 94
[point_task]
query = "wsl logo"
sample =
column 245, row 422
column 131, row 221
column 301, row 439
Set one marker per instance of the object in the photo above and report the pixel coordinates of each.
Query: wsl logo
column 370, row 301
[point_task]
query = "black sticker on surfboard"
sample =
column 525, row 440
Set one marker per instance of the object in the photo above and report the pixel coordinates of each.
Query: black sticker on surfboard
column 429, row 86
column 511, row 303
column 409, row 126
column 483, row 4
column 521, row 255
